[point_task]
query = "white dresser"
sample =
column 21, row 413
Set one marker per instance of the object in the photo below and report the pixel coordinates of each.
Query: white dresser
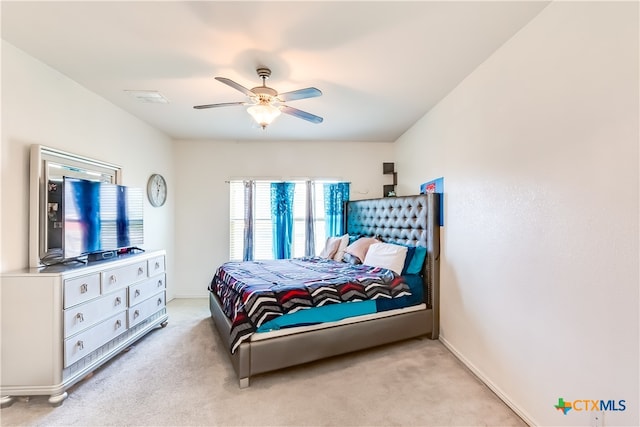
column 60, row 323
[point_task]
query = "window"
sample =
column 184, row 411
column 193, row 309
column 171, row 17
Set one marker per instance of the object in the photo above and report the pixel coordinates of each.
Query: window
column 236, row 216
column 262, row 225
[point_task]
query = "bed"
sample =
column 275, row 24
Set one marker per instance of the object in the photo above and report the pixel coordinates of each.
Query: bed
column 409, row 221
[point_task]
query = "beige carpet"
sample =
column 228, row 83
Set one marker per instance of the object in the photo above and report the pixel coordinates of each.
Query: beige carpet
column 181, row 376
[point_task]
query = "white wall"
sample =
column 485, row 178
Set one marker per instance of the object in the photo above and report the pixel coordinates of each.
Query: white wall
column 540, row 273
column 202, row 200
column 42, row 106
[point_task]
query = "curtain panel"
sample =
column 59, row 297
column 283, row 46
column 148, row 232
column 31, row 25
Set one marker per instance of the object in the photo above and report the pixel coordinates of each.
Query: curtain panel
column 249, row 222
column 282, row 218
column 309, row 223
column 335, row 195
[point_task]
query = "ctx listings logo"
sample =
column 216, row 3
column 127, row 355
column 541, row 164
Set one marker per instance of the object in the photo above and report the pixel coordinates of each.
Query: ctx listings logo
column 590, row 405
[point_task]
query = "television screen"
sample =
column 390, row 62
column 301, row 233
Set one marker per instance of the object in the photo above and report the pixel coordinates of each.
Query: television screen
column 100, row 216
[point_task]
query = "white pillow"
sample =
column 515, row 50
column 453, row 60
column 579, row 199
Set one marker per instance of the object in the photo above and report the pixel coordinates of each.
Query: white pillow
column 344, row 242
column 330, row 248
column 386, row 255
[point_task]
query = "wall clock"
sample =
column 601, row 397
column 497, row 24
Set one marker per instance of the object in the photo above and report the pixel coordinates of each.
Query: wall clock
column 157, row 190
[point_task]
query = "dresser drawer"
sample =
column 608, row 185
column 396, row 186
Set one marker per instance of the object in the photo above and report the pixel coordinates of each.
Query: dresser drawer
column 156, row 265
column 123, row 276
column 81, row 317
column 82, row 344
column 143, row 290
column 81, row 289
column 139, row 312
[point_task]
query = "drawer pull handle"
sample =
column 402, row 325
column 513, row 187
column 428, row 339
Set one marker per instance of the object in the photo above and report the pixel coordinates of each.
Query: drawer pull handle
column 118, row 324
column 113, row 279
column 118, row 301
column 159, row 283
column 140, row 270
column 84, row 288
column 80, row 317
column 136, row 314
column 159, row 301
column 80, row 345
column 136, row 293
column 157, row 265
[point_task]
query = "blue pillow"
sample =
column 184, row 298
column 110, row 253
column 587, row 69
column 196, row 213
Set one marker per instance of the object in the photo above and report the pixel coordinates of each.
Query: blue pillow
column 417, row 261
column 407, row 260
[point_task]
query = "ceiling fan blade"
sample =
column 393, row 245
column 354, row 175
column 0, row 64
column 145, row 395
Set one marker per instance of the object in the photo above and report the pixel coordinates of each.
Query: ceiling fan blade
column 224, row 104
column 309, row 92
column 301, row 114
column 235, row 85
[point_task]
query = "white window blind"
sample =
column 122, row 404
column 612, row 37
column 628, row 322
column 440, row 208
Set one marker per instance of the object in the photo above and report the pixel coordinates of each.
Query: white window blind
column 263, row 231
column 236, row 217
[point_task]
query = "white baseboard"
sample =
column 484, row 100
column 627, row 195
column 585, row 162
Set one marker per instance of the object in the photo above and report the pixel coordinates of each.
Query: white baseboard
column 494, row 388
column 190, row 296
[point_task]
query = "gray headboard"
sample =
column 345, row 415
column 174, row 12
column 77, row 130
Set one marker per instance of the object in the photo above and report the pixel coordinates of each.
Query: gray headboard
column 407, row 220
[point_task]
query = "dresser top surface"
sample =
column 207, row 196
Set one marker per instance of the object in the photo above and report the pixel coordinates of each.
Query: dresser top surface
column 79, row 268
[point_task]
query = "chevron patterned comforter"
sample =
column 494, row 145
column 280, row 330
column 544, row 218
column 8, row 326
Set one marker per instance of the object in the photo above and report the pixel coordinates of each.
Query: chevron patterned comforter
column 254, row 292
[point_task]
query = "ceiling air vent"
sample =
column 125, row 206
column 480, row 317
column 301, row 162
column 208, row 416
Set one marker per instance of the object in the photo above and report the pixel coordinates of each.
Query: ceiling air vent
column 148, row 96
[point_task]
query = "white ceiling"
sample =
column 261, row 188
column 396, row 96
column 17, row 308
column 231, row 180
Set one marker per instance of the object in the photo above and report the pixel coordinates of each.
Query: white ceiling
column 380, row 65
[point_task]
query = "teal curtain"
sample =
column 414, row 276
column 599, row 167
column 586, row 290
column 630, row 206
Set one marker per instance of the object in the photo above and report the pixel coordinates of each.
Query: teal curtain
column 282, row 218
column 335, row 195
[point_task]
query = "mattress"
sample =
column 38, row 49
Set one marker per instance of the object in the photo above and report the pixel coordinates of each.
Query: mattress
column 255, row 292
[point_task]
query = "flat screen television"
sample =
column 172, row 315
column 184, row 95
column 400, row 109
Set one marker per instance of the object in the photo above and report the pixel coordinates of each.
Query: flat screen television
column 100, row 217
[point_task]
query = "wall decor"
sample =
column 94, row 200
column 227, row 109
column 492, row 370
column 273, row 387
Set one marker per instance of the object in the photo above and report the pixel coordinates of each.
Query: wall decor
column 435, row 186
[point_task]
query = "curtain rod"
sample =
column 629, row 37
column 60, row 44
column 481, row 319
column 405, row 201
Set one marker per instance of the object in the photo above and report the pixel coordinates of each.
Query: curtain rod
column 285, row 180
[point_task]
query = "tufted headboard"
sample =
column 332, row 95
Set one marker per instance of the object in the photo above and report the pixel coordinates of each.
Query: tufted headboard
column 408, row 220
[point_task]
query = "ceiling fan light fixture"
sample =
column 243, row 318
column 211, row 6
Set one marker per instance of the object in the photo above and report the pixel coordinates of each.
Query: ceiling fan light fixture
column 266, row 103
column 263, row 114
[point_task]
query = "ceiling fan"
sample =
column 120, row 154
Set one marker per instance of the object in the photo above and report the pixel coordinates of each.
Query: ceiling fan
column 265, row 103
